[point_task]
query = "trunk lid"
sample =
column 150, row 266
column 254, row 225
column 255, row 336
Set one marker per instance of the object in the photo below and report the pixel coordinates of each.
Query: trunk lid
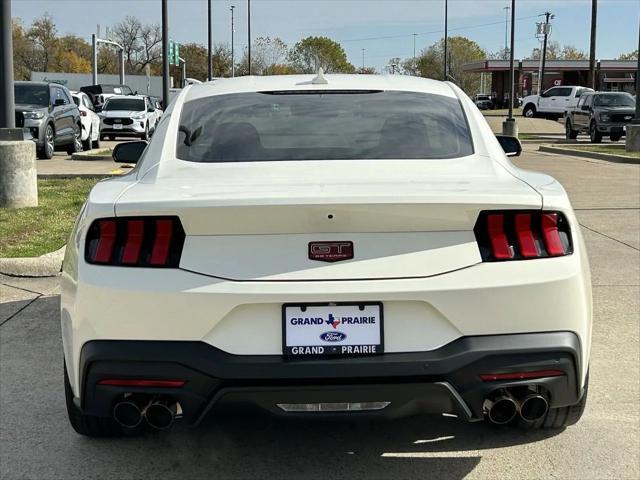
column 255, row 221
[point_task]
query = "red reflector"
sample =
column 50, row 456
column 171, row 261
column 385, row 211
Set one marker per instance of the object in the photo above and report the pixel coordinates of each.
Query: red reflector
column 83, row 113
column 491, row 377
column 161, row 242
column 135, row 232
column 105, row 241
column 125, row 382
column 550, row 234
column 499, row 243
column 526, row 241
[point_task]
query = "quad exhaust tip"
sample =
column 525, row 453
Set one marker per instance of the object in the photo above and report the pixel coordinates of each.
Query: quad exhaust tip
column 160, row 414
column 533, row 407
column 127, row 413
column 502, row 409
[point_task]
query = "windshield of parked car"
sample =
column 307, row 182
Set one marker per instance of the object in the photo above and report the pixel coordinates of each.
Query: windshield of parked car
column 31, row 94
column 334, row 125
column 614, row 100
column 129, row 104
column 483, row 97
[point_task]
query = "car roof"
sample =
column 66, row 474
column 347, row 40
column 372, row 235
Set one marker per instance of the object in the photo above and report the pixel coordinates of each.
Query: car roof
column 134, row 97
column 333, row 82
column 43, row 84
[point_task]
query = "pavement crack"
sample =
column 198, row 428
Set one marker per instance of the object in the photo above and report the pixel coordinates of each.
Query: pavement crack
column 21, row 288
column 591, row 209
column 40, row 295
column 609, row 237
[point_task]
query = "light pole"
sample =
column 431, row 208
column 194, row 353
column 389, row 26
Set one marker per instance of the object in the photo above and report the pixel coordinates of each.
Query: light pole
column 233, row 60
column 165, row 55
column 363, row 60
column 509, row 126
column 547, row 31
column 415, row 64
column 7, row 100
column 592, row 49
column 506, row 28
column 446, row 7
column 209, row 42
column 249, row 35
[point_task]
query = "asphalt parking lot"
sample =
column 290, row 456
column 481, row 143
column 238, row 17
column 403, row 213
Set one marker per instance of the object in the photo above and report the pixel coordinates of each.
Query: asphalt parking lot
column 37, row 441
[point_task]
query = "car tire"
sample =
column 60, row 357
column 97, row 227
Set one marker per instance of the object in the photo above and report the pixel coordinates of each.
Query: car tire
column 615, row 137
column 46, row 152
column 86, row 144
column 112, row 137
column 594, row 134
column 561, row 417
column 90, row 425
column 96, row 143
column 529, row 111
column 76, row 145
column 145, row 135
column 570, row 133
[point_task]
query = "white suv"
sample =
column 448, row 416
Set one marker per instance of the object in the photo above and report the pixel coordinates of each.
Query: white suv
column 127, row 116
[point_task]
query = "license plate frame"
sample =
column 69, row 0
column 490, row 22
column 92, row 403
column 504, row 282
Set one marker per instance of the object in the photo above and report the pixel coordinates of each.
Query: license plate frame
column 117, row 126
column 330, row 349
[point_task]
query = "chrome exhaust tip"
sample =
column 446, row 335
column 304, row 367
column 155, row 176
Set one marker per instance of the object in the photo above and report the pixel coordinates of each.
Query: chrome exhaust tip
column 533, row 407
column 501, row 410
column 127, row 414
column 160, row 414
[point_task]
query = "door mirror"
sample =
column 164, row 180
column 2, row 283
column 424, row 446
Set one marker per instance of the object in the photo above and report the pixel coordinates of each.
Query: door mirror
column 585, row 108
column 510, row 145
column 129, row 152
column 59, row 102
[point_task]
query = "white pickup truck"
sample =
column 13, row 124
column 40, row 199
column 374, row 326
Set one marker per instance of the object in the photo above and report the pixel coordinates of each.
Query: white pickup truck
column 552, row 103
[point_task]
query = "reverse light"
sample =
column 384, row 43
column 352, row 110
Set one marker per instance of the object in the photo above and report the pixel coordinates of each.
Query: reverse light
column 135, row 242
column 492, row 377
column 522, row 235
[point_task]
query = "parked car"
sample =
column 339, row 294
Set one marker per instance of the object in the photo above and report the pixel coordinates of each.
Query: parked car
column 352, row 244
column 553, row 102
column 101, row 92
column 599, row 114
column 157, row 105
column 89, row 119
column 47, row 113
column 127, row 116
column 483, row 102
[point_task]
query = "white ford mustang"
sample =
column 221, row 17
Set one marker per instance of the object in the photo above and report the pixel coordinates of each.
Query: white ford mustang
column 325, row 245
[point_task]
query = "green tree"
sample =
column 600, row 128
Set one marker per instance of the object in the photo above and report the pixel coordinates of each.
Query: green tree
column 196, row 58
column 43, row 35
column 221, row 60
column 629, row 56
column 461, row 51
column 311, row 53
column 557, row 52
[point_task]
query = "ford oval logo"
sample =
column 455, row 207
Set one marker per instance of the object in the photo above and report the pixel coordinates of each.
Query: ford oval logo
column 333, row 336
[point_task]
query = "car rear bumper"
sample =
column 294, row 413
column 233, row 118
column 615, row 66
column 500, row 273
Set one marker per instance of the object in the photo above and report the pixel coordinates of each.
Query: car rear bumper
column 445, row 380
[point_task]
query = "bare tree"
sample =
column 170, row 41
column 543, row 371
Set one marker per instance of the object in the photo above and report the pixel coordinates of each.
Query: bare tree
column 141, row 43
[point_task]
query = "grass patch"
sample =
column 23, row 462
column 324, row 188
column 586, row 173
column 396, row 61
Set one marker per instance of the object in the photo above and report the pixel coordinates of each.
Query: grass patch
column 101, row 152
column 30, row 232
column 617, row 149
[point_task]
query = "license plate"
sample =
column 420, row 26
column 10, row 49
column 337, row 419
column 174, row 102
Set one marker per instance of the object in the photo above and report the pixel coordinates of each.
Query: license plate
column 117, row 126
column 332, row 329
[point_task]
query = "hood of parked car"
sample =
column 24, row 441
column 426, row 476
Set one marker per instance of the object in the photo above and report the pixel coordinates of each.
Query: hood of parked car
column 26, row 107
column 119, row 113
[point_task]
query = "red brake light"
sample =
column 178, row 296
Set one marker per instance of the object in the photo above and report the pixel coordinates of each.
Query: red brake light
column 492, row 377
column 83, row 113
column 135, row 242
column 130, row 382
column 522, row 235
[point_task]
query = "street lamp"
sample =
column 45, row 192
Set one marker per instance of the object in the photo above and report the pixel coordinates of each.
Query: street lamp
column 165, row 55
column 632, row 139
column 233, row 61
column 509, row 126
column 249, row 35
column 446, row 7
column 209, row 42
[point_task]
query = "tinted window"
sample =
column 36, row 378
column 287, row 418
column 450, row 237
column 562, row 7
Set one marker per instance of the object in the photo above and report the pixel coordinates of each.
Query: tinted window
column 322, row 126
column 562, row 92
column 58, row 93
column 580, row 91
column 581, row 101
column 132, row 104
column 614, row 100
column 76, row 100
column 87, row 103
column 31, row 94
column 589, row 100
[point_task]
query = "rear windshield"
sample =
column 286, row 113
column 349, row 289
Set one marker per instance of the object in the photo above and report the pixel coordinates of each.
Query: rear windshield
column 31, row 94
column 247, row 127
column 614, row 100
column 130, row 104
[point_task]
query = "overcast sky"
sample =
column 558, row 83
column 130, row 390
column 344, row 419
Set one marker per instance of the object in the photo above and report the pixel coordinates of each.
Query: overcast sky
column 358, row 24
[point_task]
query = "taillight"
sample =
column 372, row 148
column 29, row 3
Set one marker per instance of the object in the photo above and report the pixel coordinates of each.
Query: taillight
column 83, row 113
column 522, row 235
column 135, row 242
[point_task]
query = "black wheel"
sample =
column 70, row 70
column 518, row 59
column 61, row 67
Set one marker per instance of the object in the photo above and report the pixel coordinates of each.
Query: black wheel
column 76, row 145
column 96, row 143
column 594, row 134
column 570, row 134
column 529, row 111
column 615, row 137
column 145, row 135
column 560, row 417
column 112, row 137
column 46, row 152
column 86, row 144
column 88, row 425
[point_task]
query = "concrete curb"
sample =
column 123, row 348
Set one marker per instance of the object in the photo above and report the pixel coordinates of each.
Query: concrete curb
column 89, row 157
column 595, row 155
column 77, row 175
column 47, row 265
